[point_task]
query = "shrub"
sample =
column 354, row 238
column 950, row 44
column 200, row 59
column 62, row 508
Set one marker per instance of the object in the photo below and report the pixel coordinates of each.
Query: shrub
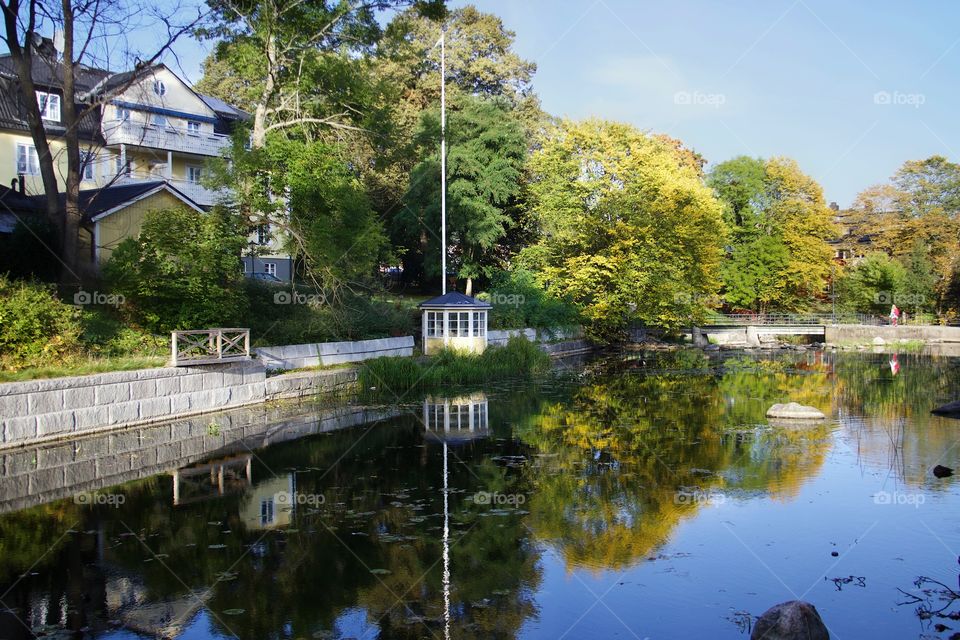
column 183, row 271
column 519, row 302
column 36, row 328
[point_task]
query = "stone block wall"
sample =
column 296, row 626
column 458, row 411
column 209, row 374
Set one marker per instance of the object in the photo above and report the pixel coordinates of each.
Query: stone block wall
column 299, row 356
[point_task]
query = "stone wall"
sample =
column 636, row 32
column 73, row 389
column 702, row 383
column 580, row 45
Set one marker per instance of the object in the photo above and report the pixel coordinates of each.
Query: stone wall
column 838, row 334
column 39, row 410
column 502, row 336
column 299, row 356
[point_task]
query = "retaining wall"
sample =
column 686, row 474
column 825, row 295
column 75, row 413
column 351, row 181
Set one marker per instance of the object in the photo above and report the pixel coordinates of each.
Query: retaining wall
column 861, row 333
column 299, row 356
column 502, row 336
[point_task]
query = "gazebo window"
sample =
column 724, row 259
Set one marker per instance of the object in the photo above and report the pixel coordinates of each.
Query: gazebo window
column 479, row 324
column 434, row 324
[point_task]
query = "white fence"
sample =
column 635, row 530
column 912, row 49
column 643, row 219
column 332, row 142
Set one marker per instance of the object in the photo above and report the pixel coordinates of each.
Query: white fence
column 299, row 356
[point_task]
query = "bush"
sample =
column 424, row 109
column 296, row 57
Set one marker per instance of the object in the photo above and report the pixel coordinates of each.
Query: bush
column 519, row 302
column 183, row 271
column 519, row 358
column 36, row 328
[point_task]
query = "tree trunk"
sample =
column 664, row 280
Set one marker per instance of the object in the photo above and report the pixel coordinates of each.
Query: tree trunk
column 260, row 114
column 469, row 286
column 72, row 214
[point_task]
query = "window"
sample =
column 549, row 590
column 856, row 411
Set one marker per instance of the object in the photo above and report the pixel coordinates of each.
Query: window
column 49, row 106
column 28, row 163
column 263, row 234
column 266, row 512
column 159, row 88
column 460, row 324
column 120, row 168
column 270, row 267
column 246, row 268
column 479, row 323
column 434, row 324
column 194, row 174
column 158, row 120
column 123, row 114
column 87, row 161
column 193, row 127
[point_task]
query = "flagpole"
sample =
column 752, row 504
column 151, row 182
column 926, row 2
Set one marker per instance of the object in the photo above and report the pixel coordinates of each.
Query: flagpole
column 443, row 160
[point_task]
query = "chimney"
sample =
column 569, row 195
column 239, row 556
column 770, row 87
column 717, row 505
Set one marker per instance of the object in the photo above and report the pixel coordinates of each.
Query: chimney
column 835, row 206
column 45, row 47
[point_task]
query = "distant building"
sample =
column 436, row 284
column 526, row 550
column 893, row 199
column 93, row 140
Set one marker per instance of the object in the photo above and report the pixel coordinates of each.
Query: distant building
column 852, row 243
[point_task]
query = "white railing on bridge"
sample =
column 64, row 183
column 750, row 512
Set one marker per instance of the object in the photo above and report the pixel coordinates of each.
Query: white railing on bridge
column 209, row 346
column 790, row 319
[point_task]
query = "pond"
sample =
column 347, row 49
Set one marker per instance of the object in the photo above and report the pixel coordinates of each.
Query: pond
column 638, row 496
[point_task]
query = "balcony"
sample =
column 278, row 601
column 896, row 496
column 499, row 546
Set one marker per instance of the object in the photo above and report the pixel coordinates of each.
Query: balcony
column 197, row 192
column 168, row 138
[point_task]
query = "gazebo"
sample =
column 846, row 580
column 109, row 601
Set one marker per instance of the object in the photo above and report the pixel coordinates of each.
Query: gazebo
column 454, row 321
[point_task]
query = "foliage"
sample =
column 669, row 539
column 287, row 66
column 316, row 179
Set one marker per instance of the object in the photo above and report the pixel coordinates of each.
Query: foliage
column 36, row 328
column 484, row 162
column 519, row 358
column 519, row 301
column 872, row 285
column 628, row 231
column 780, row 225
column 182, row 272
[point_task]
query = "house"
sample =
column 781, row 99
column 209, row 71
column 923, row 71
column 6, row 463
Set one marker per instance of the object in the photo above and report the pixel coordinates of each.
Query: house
column 152, row 127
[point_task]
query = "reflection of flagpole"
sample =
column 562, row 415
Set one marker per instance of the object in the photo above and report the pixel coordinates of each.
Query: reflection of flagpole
column 446, row 549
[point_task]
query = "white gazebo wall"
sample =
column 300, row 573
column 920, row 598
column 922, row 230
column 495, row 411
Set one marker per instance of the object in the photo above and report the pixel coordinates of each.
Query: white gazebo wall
column 473, row 341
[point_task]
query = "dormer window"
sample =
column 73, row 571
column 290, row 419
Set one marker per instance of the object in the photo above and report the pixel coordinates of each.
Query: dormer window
column 159, row 88
column 193, row 127
column 49, row 106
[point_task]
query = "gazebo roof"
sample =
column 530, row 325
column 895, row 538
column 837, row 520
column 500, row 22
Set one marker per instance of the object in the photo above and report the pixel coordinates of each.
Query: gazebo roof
column 454, row 300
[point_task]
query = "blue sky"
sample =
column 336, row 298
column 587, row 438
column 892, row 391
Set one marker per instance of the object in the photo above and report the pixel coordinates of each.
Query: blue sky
column 850, row 89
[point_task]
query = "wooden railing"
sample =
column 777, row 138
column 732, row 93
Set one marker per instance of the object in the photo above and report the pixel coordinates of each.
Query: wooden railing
column 209, row 346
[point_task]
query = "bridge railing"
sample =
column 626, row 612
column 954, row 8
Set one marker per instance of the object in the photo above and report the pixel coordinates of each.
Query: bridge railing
column 209, row 346
column 790, row 319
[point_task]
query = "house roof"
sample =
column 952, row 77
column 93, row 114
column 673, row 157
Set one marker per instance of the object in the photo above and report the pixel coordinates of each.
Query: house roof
column 14, row 206
column 99, row 203
column 47, row 73
column 454, row 300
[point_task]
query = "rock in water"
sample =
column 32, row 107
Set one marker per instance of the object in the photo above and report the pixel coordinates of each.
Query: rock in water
column 794, row 411
column 942, row 472
column 951, row 410
column 793, row 620
column 879, row 342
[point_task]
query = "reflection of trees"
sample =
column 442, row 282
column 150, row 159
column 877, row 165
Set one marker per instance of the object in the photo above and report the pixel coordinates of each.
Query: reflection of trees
column 629, row 456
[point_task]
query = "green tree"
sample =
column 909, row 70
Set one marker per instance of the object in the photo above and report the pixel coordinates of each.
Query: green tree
column 484, row 164
column 873, row 285
column 918, row 293
column 779, row 257
column 628, row 231
column 928, row 186
column 183, row 271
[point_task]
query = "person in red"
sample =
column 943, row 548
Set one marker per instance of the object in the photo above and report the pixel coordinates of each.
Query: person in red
column 894, row 315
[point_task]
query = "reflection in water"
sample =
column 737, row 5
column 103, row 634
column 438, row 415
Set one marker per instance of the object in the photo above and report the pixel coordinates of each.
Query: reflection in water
column 377, row 531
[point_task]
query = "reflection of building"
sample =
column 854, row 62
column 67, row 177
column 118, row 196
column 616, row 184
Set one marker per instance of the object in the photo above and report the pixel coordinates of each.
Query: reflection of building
column 129, row 603
column 461, row 418
column 270, row 503
column 211, row 479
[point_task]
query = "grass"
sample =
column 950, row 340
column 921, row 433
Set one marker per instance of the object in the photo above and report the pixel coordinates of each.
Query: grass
column 518, row 359
column 84, row 367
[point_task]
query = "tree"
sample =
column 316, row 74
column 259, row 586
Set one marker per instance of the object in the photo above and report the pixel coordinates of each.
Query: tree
column 873, row 285
column 918, row 292
column 183, row 271
column 928, row 186
column 484, row 164
column 91, row 30
column 780, row 222
column 627, row 230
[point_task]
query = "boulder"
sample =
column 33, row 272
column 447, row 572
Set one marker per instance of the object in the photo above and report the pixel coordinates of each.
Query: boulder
column 794, row 411
column 879, row 342
column 941, row 471
column 793, row 620
column 951, row 410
